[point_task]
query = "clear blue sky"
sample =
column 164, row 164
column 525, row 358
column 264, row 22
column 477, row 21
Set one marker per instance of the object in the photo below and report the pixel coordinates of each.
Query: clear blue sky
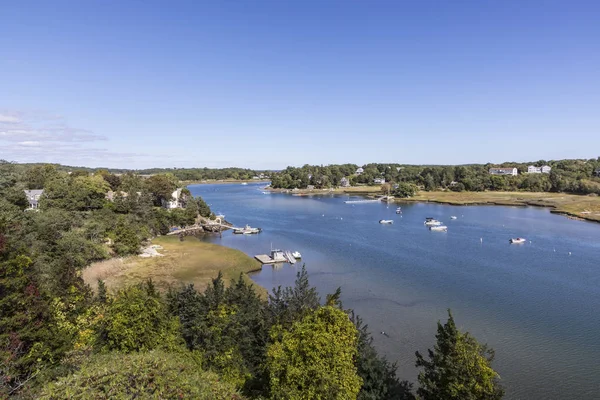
column 265, row 84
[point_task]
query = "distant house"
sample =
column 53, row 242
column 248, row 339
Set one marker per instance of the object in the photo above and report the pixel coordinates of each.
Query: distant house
column 379, row 180
column 539, row 170
column 33, row 196
column 175, row 201
column 344, row 182
column 359, row 171
column 504, row 171
column 310, row 187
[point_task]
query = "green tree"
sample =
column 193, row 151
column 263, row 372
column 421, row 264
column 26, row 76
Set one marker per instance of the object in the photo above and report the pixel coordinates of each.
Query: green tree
column 315, row 358
column 149, row 375
column 405, row 189
column 458, row 368
column 162, row 187
column 137, row 320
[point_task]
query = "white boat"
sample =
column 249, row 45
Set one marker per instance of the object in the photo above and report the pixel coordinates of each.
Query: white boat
column 386, row 221
column 439, row 228
column 244, row 183
column 289, row 257
column 432, row 222
column 247, row 230
column 399, row 210
column 297, row 255
column 518, row 240
column 278, row 256
column 453, row 217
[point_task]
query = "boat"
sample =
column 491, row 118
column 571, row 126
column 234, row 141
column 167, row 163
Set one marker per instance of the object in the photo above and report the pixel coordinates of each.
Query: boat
column 246, row 230
column 439, row 228
column 289, row 257
column 244, row 183
column 297, row 255
column 386, row 221
column 266, row 192
column 518, row 240
column 278, row 256
column 453, row 217
column 399, row 210
column 432, row 222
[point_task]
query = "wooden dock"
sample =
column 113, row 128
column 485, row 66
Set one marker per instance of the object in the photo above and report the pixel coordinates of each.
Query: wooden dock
column 265, row 259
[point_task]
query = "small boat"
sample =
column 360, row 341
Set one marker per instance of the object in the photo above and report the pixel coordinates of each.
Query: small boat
column 439, row 228
column 518, row 240
column 399, row 210
column 246, row 230
column 244, row 183
column 278, row 256
column 386, row 221
column 297, row 255
column 453, row 217
column 266, row 192
column 432, row 222
column 289, row 257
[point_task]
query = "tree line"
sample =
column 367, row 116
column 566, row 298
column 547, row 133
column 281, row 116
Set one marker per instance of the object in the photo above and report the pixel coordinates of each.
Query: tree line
column 572, row 176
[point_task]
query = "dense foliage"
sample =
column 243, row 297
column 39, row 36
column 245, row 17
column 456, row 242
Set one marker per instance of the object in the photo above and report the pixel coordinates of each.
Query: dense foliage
column 573, row 176
column 155, row 375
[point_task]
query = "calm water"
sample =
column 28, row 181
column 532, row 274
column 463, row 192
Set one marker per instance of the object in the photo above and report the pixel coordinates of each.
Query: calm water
column 537, row 305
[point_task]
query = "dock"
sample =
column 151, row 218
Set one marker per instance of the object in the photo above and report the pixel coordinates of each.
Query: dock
column 266, row 259
column 362, row 201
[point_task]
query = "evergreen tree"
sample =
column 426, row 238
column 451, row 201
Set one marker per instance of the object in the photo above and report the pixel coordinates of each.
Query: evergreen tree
column 458, row 368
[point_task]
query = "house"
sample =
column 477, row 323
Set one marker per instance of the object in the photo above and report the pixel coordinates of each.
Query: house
column 359, row 171
column 175, row 201
column 379, row 180
column 310, row 187
column 344, row 182
column 539, row 170
column 503, row 171
column 33, row 196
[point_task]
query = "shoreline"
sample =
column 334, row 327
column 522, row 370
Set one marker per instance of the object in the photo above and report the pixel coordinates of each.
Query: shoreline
column 572, row 206
column 223, row 181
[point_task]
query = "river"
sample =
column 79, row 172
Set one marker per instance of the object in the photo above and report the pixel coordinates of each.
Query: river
column 537, row 304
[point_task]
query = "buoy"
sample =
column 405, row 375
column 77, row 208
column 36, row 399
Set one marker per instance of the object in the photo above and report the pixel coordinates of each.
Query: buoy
column 555, row 250
column 481, row 240
column 569, row 253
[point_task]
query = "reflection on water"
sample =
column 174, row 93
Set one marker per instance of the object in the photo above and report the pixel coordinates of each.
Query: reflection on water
column 535, row 304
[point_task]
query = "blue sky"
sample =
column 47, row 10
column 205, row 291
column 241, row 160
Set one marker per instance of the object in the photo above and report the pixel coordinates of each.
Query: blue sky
column 266, row 84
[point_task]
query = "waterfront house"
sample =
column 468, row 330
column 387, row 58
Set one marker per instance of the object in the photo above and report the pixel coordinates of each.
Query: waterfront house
column 503, row 171
column 359, row 171
column 379, row 180
column 344, row 182
column 310, row 187
column 539, row 170
column 175, row 201
column 33, row 196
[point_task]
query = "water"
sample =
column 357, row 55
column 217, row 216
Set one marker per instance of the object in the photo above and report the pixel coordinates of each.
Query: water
column 536, row 304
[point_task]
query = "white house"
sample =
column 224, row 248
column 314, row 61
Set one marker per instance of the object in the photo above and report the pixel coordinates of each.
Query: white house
column 379, row 180
column 539, row 170
column 33, row 196
column 175, row 201
column 344, row 182
column 359, row 171
column 504, row 171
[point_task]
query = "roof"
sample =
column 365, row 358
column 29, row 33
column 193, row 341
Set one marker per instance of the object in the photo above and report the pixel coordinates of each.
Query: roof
column 34, row 192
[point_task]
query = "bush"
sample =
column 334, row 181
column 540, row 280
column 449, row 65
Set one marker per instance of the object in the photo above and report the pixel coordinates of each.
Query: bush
column 155, row 375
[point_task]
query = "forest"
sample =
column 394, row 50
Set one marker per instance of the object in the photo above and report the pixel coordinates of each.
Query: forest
column 62, row 339
column 569, row 176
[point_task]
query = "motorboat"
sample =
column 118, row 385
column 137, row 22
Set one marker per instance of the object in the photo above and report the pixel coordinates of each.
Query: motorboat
column 439, row 228
column 432, row 222
column 247, row 230
column 518, row 240
column 296, row 255
column 244, row 183
column 278, row 256
column 386, row 221
column 453, row 217
column 399, row 210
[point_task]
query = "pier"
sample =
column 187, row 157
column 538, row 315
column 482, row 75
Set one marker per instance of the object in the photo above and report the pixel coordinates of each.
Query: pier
column 363, row 201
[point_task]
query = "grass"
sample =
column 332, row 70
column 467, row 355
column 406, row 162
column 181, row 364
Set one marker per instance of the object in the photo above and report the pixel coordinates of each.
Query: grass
column 584, row 207
column 188, row 261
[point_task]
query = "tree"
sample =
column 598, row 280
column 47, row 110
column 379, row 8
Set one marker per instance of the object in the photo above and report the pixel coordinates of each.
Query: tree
column 405, row 189
column 149, row 375
column 137, row 320
column 458, row 368
column 315, row 358
column 162, row 187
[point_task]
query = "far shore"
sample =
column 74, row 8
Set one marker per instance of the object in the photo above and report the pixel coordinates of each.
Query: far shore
column 224, row 181
column 581, row 207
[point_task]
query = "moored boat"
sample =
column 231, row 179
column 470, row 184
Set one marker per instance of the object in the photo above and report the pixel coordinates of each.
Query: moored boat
column 518, row 240
column 246, row 230
column 297, row 255
column 439, row 228
column 386, row 221
column 453, row 217
column 399, row 210
column 432, row 222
